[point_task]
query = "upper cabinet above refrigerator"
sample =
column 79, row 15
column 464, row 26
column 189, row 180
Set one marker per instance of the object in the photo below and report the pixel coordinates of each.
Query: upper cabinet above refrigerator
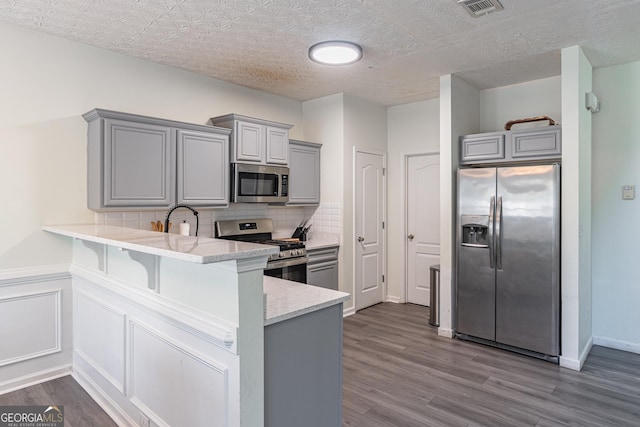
column 540, row 143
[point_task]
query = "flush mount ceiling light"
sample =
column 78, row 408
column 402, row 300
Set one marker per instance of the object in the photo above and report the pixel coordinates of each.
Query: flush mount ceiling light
column 335, row 53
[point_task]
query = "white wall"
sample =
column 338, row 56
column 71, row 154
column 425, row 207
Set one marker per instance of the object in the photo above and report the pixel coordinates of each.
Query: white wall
column 459, row 115
column 576, row 210
column 530, row 99
column 46, row 84
column 616, row 156
column 324, row 122
column 411, row 129
column 365, row 127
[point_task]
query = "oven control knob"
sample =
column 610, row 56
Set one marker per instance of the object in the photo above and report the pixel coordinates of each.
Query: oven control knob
column 280, row 255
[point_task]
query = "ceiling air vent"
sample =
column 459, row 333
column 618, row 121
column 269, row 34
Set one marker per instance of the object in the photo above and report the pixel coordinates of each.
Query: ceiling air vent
column 477, row 8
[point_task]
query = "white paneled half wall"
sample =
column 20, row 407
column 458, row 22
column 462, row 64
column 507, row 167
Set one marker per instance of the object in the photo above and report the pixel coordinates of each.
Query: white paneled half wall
column 36, row 332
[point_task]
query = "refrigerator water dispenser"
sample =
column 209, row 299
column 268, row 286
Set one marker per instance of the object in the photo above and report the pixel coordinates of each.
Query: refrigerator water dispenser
column 475, row 230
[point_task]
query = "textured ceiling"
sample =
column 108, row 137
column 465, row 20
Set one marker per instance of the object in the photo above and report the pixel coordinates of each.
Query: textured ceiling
column 407, row 44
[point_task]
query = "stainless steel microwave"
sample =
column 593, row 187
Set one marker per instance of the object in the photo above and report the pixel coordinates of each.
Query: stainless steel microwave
column 259, row 183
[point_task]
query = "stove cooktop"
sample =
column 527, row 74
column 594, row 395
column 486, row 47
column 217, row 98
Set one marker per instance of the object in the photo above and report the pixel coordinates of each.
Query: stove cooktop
column 259, row 231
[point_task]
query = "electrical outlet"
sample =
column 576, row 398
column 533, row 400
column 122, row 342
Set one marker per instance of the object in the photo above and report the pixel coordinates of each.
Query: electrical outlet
column 144, row 420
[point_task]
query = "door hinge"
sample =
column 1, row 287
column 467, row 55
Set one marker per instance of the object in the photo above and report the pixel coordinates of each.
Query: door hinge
column 383, row 225
column 384, row 171
column 383, row 278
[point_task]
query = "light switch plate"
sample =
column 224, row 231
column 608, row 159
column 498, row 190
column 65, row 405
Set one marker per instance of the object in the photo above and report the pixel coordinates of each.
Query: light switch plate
column 628, row 192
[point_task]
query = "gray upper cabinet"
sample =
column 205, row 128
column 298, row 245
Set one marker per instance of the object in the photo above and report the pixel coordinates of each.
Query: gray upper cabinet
column 539, row 143
column 304, row 173
column 250, row 142
column 256, row 140
column 277, row 145
column 130, row 164
column 203, row 168
column 484, row 147
column 542, row 143
column 144, row 162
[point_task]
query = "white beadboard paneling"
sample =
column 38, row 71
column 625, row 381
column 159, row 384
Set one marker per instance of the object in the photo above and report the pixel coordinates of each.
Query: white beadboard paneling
column 199, row 392
column 99, row 336
column 37, row 333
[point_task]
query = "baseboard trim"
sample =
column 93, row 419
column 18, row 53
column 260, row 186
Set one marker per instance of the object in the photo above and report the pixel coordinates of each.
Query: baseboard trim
column 585, row 352
column 617, row 344
column 35, row 378
column 569, row 363
column 395, row 300
column 107, row 404
column 348, row 312
column 445, row 332
column 574, row 364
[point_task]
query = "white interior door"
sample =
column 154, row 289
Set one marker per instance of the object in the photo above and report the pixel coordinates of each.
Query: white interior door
column 423, row 224
column 369, row 232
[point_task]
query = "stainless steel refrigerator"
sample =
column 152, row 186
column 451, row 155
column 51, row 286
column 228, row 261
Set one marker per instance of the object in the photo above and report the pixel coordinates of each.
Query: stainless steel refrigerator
column 508, row 258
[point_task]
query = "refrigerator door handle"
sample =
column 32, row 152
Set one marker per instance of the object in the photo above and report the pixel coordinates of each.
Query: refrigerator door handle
column 492, row 209
column 499, row 234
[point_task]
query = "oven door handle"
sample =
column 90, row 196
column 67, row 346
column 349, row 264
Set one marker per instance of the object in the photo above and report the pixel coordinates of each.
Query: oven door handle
column 272, row 265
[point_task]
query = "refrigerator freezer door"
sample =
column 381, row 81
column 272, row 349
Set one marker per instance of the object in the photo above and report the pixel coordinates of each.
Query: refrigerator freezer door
column 475, row 292
column 528, row 258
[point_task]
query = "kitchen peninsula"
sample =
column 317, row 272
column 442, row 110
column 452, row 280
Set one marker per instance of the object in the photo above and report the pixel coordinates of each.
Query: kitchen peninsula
column 181, row 330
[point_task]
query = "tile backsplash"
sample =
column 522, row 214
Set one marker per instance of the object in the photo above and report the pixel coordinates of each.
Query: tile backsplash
column 325, row 218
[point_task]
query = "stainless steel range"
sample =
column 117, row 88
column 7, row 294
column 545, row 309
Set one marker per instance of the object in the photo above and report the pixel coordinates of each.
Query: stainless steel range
column 289, row 264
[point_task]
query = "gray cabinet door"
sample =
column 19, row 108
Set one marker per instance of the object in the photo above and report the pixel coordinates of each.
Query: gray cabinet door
column 539, row 143
column 249, row 142
column 203, row 168
column 138, row 164
column 277, row 142
column 322, row 267
column 304, row 173
column 324, row 275
column 482, row 148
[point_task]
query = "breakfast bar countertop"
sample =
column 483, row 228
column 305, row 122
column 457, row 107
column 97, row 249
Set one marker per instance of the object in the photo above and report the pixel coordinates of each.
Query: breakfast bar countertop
column 285, row 299
column 201, row 250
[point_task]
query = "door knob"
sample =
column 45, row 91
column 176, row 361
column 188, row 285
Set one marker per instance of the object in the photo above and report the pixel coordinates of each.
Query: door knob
column 410, row 236
column 360, row 239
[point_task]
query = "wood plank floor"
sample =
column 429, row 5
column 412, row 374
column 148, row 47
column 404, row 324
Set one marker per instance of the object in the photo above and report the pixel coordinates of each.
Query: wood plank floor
column 399, row 373
column 79, row 409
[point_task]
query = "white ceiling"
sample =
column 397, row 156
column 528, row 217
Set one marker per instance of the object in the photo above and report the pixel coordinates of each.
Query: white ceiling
column 407, row 44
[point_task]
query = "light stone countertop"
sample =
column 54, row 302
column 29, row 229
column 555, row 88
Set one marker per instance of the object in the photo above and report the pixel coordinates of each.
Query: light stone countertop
column 201, row 250
column 322, row 240
column 285, row 299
